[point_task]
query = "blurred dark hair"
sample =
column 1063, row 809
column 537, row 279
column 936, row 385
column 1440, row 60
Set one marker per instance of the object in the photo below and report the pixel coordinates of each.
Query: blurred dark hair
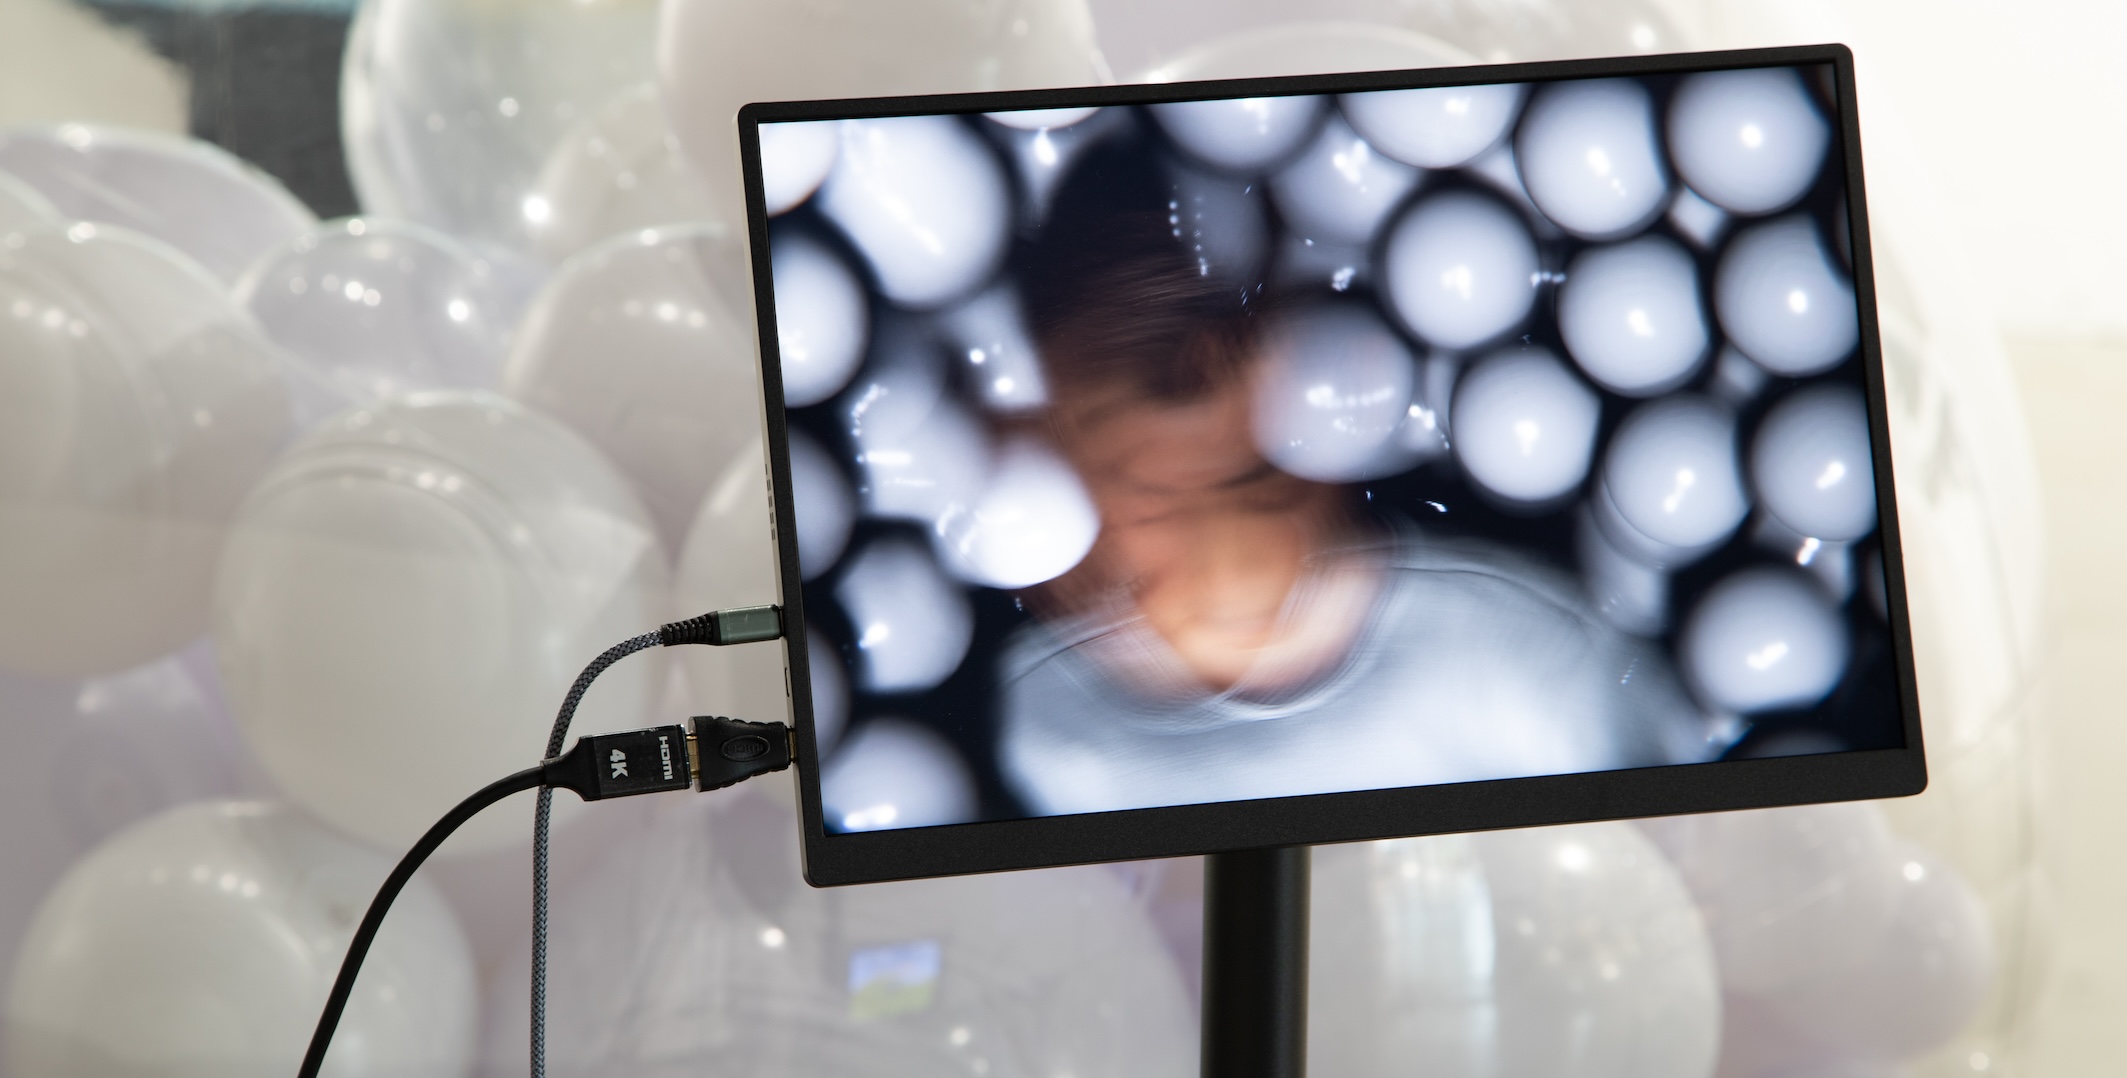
column 1113, row 294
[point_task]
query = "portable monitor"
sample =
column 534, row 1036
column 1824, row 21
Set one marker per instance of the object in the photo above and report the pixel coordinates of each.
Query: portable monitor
column 1183, row 468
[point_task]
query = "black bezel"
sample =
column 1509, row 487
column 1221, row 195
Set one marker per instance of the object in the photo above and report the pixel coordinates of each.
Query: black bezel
column 832, row 859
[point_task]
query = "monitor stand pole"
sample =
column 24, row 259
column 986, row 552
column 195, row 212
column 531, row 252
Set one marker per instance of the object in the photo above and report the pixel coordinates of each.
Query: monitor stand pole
column 1255, row 963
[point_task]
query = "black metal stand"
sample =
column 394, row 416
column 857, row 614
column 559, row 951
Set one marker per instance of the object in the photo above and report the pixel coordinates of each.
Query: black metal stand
column 1255, row 963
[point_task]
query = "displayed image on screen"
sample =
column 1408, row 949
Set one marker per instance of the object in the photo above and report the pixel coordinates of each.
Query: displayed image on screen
column 1210, row 451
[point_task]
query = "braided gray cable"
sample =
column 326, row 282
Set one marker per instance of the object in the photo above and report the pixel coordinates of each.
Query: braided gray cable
column 540, row 823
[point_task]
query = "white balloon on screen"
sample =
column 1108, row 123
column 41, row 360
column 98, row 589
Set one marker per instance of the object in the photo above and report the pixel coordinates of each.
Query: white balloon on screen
column 450, row 110
column 21, row 206
column 1042, row 119
column 138, row 403
column 1042, row 155
column 919, row 454
column 1811, row 464
column 369, row 308
column 1568, row 952
column 1670, row 470
column 644, row 347
column 830, row 690
column 714, row 56
column 204, row 940
column 616, row 170
column 1333, row 390
column 1782, row 301
column 1223, row 221
column 1628, row 592
column 1750, row 141
column 1339, row 189
column 1460, row 269
column 896, row 773
column 795, row 159
column 822, row 502
column 821, row 318
column 1017, row 973
column 1631, row 317
column 1591, row 158
column 1241, row 134
column 430, row 570
column 220, row 211
column 913, row 625
column 1436, row 127
column 990, row 333
column 924, row 201
column 730, row 559
column 1032, row 522
column 1524, row 425
column 1764, row 638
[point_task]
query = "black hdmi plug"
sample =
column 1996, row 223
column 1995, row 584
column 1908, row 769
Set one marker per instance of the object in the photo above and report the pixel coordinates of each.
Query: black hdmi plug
column 622, row 765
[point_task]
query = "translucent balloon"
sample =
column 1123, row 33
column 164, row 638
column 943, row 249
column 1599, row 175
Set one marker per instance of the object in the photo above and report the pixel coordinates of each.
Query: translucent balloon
column 204, row 941
column 1033, row 521
column 1783, row 302
column 1751, row 140
column 730, row 559
column 990, row 332
column 371, row 308
column 1334, row 389
column 644, row 347
column 1631, row 317
column 1591, row 159
column 1438, row 127
column 741, row 969
column 896, row 773
column 431, row 571
column 913, row 625
column 1460, row 269
column 716, row 55
column 1224, row 222
column 1629, row 593
column 1245, row 134
column 924, row 201
column 1764, row 638
column 1559, row 952
column 1811, row 464
column 21, row 206
column 795, row 160
column 1670, row 470
column 616, row 170
column 1340, row 189
column 820, row 319
column 1525, row 426
column 194, row 196
column 137, row 404
column 823, row 503
column 451, row 109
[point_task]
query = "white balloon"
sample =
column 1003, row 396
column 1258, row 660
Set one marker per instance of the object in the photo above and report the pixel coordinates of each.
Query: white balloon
column 896, row 773
column 204, row 941
column 21, row 206
column 1281, row 48
column 1241, row 134
column 1811, row 464
column 1333, row 390
column 913, row 625
column 1044, row 144
column 1751, row 141
column 370, row 308
column 1762, row 639
column 1033, row 522
column 1460, row 269
column 823, row 504
column 795, row 160
column 924, row 201
column 730, row 559
column 1565, row 952
column 738, row 967
column 137, row 404
column 1042, row 119
column 431, row 571
column 193, row 195
column 644, row 347
column 1591, row 158
column 1782, row 301
column 1524, row 426
column 1437, row 127
column 990, row 332
column 1670, row 470
column 919, row 454
column 821, row 319
column 1224, row 222
column 1631, row 317
column 830, row 691
column 616, row 170
column 1628, row 592
column 714, row 56
column 1339, row 189
column 451, row 110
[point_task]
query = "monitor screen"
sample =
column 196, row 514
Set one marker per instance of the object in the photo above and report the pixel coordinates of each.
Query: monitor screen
column 1235, row 447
